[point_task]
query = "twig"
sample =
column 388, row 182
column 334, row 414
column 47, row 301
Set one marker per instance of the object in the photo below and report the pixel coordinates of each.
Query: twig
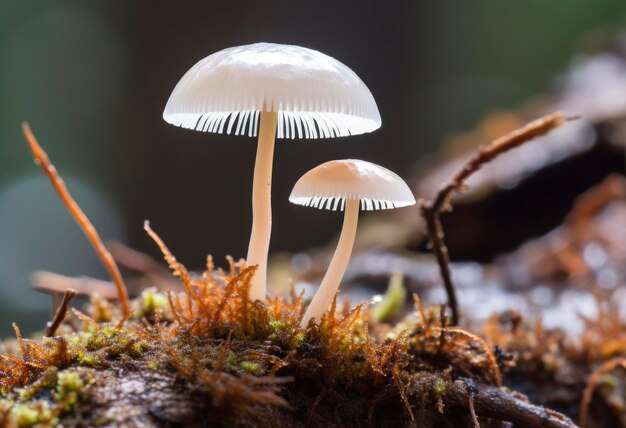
column 135, row 260
column 60, row 314
column 431, row 210
column 41, row 159
column 495, row 403
column 470, row 405
column 48, row 282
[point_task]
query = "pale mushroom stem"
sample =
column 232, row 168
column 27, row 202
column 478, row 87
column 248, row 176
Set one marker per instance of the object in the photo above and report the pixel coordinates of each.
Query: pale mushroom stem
column 258, row 247
column 330, row 284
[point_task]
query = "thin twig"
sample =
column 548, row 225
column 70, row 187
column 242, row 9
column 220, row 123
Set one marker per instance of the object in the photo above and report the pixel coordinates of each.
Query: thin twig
column 52, row 283
column 59, row 316
column 470, row 405
column 431, row 210
column 41, row 159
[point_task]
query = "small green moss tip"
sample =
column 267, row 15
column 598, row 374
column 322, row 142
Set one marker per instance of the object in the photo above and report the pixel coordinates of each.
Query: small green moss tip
column 393, row 300
column 152, row 301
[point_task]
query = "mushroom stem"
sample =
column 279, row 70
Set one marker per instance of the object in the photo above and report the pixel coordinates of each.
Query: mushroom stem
column 330, row 284
column 262, row 204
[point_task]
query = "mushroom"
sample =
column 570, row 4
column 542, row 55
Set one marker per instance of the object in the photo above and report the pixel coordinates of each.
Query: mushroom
column 288, row 92
column 340, row 184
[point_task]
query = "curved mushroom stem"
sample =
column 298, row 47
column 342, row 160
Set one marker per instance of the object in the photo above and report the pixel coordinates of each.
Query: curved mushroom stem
column 330, row 284
column 262, row 204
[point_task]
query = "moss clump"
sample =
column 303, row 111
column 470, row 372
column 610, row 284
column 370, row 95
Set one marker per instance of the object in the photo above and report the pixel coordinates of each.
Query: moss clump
column 69, row 389
column 23, row 415
column 213, row 357
column 45, row 401
column 151, row 302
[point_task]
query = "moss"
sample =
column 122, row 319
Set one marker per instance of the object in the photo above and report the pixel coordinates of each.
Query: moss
column 69, row 388
column 392, row 301
column 23, row 415
column 152, row 301
column 252, row 368
column 86, row 359
column 239, row 358
column 439, row 388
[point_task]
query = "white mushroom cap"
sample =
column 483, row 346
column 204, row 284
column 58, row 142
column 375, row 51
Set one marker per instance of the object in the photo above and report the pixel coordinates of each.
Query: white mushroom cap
column 315, row 95
column 328, row 186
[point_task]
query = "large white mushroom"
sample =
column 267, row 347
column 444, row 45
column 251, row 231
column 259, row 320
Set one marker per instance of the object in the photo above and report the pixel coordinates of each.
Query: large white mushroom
column 284, row 91
column 340, row 184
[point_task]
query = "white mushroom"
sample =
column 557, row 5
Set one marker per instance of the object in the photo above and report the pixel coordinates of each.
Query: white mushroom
column 346, row 183
column 286, row 91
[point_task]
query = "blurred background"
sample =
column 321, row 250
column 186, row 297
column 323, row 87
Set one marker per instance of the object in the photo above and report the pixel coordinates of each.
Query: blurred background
column 92, row 79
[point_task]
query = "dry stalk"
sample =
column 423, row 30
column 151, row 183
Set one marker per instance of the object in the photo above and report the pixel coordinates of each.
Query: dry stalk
column 59, row 316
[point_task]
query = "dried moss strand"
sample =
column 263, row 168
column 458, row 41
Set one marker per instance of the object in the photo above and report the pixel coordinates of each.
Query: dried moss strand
column 85, row 318
column 178, row 269
column 22, row 362
column 18, row 337
column 41, row 159
column 59, row 316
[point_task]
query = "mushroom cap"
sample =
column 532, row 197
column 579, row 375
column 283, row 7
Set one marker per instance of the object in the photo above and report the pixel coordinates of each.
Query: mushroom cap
column 314, row 94
column 328, row 185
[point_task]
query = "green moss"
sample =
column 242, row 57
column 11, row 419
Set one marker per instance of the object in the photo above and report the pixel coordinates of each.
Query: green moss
column 69, row 388
column 26, row 416
column 393, row 300
column 297, row 339
column 151, row 301
column 252, row 368
column 439, row 388
column 278, row 325
column 69, row 381
column 86, row 359
column 35, row 413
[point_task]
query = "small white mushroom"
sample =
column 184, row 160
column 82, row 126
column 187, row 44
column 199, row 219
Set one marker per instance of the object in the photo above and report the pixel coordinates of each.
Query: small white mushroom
column 346, row 184
column 283, row 90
